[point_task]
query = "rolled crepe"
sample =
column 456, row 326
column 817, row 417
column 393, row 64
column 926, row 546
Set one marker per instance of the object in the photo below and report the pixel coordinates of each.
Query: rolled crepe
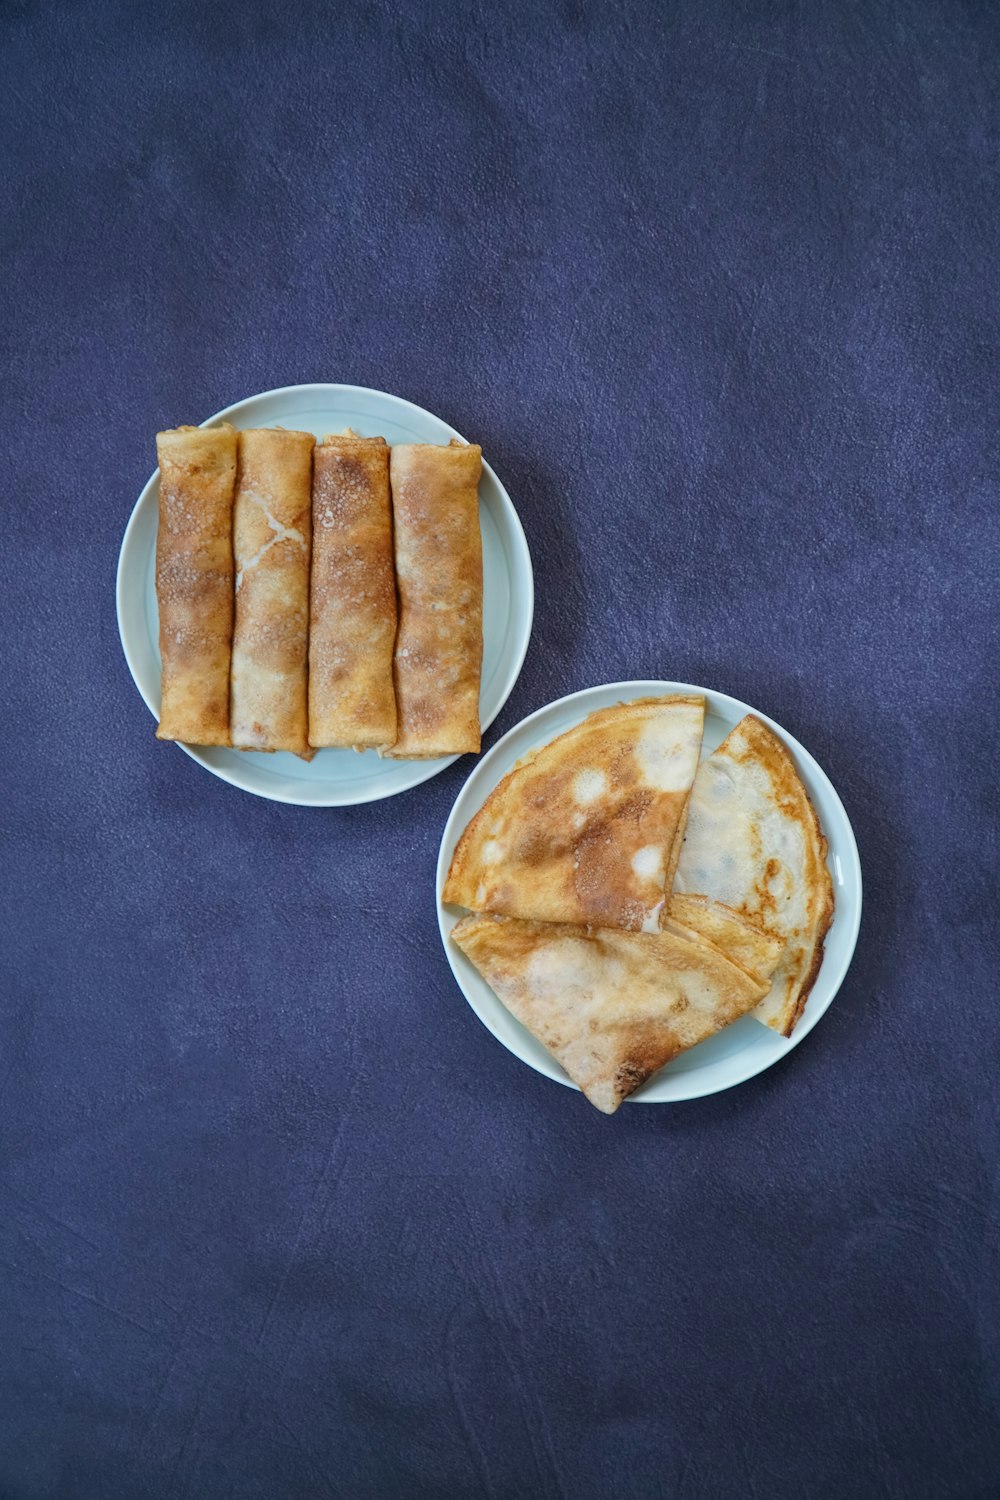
column 271, row 535
column 353, row 608
column 194, row 581
column 439, row 572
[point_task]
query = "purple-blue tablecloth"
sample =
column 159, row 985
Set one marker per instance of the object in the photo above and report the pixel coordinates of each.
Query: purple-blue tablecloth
column 716, row 287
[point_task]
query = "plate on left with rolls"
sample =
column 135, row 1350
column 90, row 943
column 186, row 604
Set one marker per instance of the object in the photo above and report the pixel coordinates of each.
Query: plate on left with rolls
column 337, row 778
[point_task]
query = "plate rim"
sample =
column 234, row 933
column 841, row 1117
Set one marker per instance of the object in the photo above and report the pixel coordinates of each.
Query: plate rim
column 423, row 771
column 810, row 1018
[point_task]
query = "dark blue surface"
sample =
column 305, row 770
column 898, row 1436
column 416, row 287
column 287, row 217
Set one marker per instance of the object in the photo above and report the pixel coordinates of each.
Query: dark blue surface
column 716, row 287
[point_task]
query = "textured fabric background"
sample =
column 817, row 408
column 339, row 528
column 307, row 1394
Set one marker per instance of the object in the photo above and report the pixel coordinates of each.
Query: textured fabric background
column 716, row 286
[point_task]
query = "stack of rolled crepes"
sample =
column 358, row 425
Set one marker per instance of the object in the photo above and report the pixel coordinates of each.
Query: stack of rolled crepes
column 316, row 595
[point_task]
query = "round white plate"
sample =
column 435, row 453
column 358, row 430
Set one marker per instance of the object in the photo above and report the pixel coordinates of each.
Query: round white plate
column 335, row 778
column 741, row 1050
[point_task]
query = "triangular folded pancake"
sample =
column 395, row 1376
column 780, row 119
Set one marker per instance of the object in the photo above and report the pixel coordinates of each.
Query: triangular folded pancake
column 744, row 942
column 753, row 841
column 611, row 1006
column 583, row 829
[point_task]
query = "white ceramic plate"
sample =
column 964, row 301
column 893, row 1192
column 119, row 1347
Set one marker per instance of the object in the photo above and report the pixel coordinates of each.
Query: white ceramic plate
column 335, row 778
column 743, row 1049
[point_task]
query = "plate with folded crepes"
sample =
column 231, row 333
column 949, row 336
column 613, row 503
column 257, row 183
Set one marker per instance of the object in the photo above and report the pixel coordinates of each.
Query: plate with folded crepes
column 648, row 891
column 324, row 594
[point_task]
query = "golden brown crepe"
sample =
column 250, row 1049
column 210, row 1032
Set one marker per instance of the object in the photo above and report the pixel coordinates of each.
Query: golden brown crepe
column 194, row 581
column 271, row 541
column 742, row 941
column 612, row 1007
column 352, row 699
column 582, row 829
column 754, row 842
column 439, row 573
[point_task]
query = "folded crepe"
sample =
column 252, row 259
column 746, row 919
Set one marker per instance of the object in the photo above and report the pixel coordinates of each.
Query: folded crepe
column 353, row 604
column 753, row 842
column 439, row 575
column 271, row 541
column 583, row 829
column 612, row 1007
column 194, row 581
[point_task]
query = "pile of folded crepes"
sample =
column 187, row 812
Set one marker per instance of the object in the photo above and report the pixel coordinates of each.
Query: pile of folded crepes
column 630, row 899
column 319, row 594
